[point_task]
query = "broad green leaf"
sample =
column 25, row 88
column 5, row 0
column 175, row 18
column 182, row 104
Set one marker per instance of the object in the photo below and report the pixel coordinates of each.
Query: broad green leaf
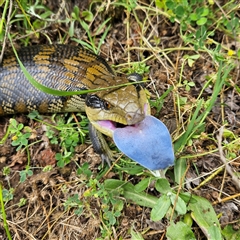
column 193, row 16
column 112, row 184
column 88, row 16
column 140, row 198
column 195, row 56
column 71, row 29
column 201, row 21
column 161, row 207
column 204, row 215
column 142, row 185
column 231, row 234
column 180, row 205
column 190, row 62
column 143, row 199
column 170, row 4
column 179, row 231
column 188, row 219
column 134, row 170
column 205, row 12
column 179, row 10
column 163, row 186
column 160, row 4
column 214, row 233
column 179, row 170
column 136, row 235
column 187, row 197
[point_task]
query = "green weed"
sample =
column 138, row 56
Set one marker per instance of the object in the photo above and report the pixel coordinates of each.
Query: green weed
column 19, row 138
column 197, row 25
column 3, row 199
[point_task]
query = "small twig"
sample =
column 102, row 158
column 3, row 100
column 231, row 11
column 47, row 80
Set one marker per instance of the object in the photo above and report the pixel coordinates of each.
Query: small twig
column 222, row 185
column 6, row 29
column 226, row 199
column 208, row 179
column 235, row 180
column 111, row 167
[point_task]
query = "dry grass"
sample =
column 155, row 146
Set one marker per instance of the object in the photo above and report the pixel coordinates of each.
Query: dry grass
column 142, row 38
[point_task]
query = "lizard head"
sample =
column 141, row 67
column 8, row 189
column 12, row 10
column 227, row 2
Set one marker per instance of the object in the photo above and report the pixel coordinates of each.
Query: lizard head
column 117, row 107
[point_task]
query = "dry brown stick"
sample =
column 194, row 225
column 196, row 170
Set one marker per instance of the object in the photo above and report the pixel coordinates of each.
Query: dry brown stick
column 228, row 198
column 7, row 30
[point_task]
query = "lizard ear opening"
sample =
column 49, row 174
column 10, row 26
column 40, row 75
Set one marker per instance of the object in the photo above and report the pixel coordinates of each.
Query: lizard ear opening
column 135, row 77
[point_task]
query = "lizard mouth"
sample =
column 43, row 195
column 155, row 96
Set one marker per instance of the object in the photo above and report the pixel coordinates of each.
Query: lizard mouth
column 109, row 126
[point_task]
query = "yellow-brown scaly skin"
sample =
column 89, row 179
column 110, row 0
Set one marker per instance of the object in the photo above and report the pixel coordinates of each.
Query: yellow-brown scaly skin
column 69, row 68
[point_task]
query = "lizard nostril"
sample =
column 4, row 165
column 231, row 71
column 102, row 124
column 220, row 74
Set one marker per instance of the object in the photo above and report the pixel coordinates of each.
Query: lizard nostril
column 134, row 117
column 129, row 116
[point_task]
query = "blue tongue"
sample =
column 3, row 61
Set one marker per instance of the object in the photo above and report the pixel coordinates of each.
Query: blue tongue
column 148, row 143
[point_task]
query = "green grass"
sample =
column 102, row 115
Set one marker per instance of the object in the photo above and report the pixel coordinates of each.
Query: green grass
column 193, row 29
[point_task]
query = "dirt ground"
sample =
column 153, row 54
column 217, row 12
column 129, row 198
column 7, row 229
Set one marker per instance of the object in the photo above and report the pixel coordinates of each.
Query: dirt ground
column 44, row 215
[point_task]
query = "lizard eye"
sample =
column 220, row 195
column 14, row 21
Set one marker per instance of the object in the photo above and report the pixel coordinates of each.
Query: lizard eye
column 107, row 105
column 93, row 101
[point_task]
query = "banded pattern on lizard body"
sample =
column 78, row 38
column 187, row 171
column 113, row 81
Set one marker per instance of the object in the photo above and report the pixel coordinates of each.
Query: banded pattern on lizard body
column 60, row 67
